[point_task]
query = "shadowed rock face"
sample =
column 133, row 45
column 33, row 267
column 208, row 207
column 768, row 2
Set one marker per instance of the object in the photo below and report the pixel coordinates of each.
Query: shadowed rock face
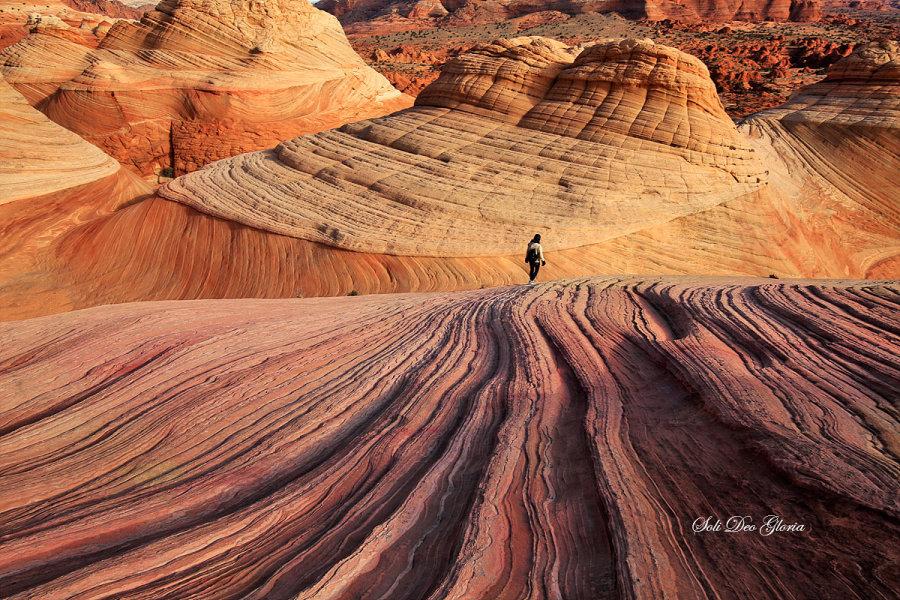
column 200, row 80
column 557, row 441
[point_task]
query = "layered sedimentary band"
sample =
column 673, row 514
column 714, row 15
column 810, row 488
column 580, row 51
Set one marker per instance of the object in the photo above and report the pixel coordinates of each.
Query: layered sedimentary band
column 562, row 441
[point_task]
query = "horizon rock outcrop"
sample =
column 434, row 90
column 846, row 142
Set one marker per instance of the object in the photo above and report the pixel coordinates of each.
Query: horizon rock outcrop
column 619, row 153
column 112, row 8
column 561, row 441
column 200, row 80
column 385, row 15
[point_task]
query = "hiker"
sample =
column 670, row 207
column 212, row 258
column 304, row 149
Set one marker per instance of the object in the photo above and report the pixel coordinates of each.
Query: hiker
column 534, row 256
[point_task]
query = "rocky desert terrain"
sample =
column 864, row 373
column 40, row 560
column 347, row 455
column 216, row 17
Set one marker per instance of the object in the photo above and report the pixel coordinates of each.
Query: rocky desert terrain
column 756, row 63
column 620, row 153
column 265, row 333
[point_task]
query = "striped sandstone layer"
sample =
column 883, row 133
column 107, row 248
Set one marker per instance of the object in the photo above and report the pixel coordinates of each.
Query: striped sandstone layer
column 548, row 442
column 619, row 154
column 200, row 80
column 51, row 182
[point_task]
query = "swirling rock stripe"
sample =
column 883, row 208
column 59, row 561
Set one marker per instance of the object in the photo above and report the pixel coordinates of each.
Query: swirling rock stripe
column 38, row 156
column 547, row 442
column 159, row 250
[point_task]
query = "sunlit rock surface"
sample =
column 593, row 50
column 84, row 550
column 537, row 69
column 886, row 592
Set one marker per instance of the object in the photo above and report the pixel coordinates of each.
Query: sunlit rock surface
column 517, row 135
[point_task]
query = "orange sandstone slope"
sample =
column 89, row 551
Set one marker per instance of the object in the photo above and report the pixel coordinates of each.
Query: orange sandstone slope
column 51, row 181
column 549, row 442
column 622, row 156
column 200, row 80
column 837, row 144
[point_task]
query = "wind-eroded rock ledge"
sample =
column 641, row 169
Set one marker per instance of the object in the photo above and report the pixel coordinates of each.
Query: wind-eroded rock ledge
column 549, row 442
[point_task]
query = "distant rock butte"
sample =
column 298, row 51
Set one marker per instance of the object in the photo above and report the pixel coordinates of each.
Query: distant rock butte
column 619, row 153
column 550, row 442
column 413, row 14
column 111, row 8
column 201, row 80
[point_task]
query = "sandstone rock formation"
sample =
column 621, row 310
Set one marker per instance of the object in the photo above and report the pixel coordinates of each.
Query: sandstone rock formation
column 514, row 135
column 838, row 141
column 550, row 442
column 414, row 14
column 51, row 181
column 626, row 140
column 53, row 52
column 620, row 154
column 200, row 80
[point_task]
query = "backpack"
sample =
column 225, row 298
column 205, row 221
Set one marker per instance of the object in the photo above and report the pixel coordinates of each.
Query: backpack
column 532, row 255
